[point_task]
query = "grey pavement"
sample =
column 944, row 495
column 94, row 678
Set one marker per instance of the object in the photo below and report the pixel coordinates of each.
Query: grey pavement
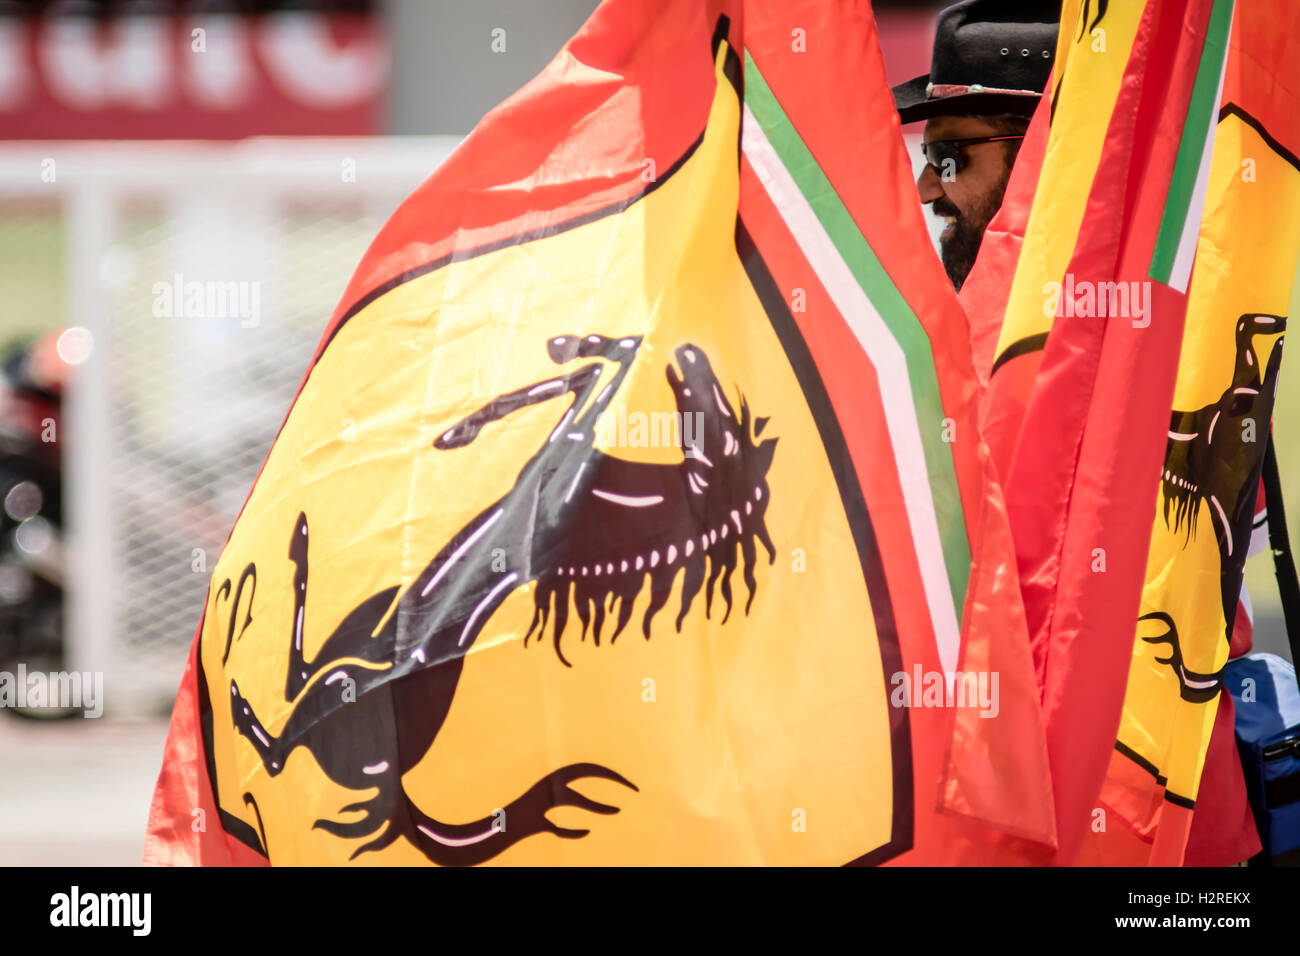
column 76, row 792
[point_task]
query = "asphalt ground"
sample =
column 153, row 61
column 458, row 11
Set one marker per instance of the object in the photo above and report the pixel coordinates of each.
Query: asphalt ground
column 76, row 792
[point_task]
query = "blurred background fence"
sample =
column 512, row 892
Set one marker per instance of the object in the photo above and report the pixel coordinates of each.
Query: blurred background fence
column 170, row 415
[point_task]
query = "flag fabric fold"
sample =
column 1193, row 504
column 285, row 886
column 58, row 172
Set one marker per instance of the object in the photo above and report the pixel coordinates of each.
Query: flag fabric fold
column 1078, row 407
column 662, row 529
column 1083, row 372
column 1191, row 613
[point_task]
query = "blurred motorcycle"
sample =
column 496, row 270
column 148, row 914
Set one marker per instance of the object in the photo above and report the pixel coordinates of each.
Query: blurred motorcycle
column 32, row 378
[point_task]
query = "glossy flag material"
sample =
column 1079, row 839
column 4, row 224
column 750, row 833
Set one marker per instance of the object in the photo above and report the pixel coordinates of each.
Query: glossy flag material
column 634, row 507
column 1031, row 240
column 987, row 288
column 1222, row 408
column 1080, row 386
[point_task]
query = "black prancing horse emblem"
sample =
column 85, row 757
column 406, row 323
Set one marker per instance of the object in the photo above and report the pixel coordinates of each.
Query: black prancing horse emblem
column 589, row 528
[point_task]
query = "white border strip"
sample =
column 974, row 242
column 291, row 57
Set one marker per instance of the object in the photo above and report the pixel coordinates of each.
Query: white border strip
column 1180, row 275
column 890, row 363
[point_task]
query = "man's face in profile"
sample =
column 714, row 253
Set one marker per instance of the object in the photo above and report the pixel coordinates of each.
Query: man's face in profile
column 967, row 192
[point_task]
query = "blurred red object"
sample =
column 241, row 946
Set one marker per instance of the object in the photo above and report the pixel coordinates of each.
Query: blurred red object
column 209, row 76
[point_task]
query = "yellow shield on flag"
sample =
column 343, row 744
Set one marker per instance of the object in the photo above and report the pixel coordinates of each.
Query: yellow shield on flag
column 587, row 465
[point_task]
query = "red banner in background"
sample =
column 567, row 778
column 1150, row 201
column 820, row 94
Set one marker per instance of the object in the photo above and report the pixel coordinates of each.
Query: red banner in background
column 201, row 77
column 906, row 41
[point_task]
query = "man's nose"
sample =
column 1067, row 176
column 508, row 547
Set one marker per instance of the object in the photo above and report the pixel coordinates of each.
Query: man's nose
column 927, row 184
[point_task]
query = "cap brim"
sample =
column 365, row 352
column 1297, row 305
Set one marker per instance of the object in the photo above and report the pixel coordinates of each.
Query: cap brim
column 909, row 96
column 913, row 105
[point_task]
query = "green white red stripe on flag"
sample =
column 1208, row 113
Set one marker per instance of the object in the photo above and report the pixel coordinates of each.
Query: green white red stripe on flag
column 897, row 344
column 1171, row 262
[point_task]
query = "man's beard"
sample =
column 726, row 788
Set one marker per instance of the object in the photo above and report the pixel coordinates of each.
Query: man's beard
column 957, row 251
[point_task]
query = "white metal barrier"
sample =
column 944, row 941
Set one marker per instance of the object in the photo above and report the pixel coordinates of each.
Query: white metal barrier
column 168, row 420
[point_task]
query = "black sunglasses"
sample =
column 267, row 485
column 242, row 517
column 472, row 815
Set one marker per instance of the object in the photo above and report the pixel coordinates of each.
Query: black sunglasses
column 942, row 151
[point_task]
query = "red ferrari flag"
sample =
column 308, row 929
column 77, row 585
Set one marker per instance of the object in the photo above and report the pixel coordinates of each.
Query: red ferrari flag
column 1084, row 369
column 1213, row 455
column 664, row 531
column 1030, row 242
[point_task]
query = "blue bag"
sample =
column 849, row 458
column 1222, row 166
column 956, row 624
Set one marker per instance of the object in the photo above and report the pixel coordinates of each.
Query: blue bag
column 1267, row 700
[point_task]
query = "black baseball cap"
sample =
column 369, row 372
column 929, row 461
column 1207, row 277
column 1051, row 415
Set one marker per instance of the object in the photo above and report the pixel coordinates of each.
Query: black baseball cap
column 990, row 56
